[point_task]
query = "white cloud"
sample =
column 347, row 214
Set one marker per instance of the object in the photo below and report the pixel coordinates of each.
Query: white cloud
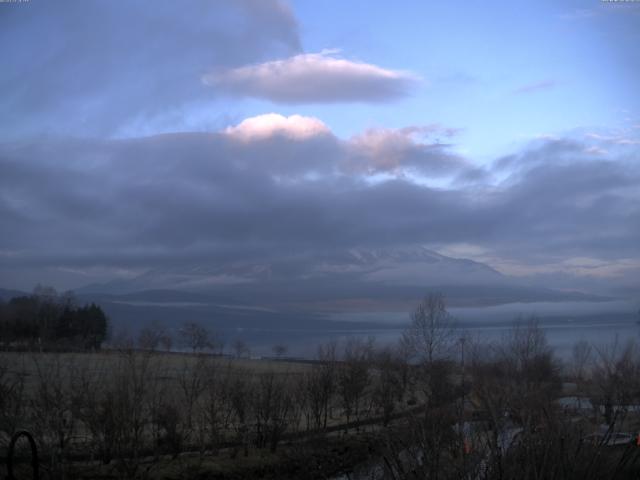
column 613, row 139
column 314, row 77
column 398, row 150
column 295, row 146
column 578, row 266
column 546, row 137
column 265, row 126
column 596, row 151
column 578, row 14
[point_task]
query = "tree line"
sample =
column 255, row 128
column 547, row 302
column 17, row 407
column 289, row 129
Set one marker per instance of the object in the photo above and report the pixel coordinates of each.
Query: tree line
column 46, row 320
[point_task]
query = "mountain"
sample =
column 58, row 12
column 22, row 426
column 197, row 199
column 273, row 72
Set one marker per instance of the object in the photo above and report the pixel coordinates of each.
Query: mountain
column 353, row 269
column 329, row 282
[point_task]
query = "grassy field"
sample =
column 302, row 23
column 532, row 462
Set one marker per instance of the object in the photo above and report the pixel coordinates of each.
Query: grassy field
column 139, row 414
column 171, row 359
column 119, row 413
column 163, row 366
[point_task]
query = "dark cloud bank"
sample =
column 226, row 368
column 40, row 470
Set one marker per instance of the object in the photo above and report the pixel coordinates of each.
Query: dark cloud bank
column 309, row 217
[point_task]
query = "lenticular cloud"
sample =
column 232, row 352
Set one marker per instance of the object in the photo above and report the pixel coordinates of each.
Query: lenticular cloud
column 313, row 78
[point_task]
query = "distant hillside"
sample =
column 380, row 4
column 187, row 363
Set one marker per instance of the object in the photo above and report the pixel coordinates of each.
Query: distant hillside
column 353, row 279
column 7, row 294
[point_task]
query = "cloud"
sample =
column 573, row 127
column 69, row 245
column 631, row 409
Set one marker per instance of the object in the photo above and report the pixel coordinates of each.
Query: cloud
column 265, row 126
column 536, row 87
column 296, row 145
column 107, row 65
column 579, row 14
column 398, row 150
column 613, row 139
column 596, row 151
column 268, row 208
column 313, row 78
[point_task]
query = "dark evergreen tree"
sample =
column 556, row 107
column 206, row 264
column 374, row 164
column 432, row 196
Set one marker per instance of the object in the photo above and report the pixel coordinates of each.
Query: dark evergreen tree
column 49, row 321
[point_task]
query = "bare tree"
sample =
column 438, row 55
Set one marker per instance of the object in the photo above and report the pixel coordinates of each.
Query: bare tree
column 166, row 342
column 402, row 357
column 533, row 372
column 515, row 383
column 616, row 373
column 195, row 337
column 354, row 378
column 581, row 356
column 325, row 376
column 430, row 335
column 131, row 390
column 122, row 340
column 93, row 400
column 318, row 385
column 216, row 407
column 192, row 382
column 241, row 392
column 279, row 350
column 52, row 410
column 12, row 397
column 273, row 405
column 119, row 404
column 154, row 336
column 387, row 384
column 240, row 348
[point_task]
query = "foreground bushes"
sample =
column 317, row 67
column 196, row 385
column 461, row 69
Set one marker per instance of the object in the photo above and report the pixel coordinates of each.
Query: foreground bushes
column 436, row 406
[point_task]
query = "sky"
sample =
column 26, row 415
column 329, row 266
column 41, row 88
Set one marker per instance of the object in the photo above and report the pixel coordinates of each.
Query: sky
column 210, row 143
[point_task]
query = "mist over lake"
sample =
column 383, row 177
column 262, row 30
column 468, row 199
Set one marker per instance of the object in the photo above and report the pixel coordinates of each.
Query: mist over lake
column 565, row 323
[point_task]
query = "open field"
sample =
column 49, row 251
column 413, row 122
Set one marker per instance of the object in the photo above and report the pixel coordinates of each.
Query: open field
column 508, row 407
column 121, row 413
column 165, row 366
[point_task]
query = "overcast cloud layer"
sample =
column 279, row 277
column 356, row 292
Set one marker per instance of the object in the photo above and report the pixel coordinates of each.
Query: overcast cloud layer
column 273, row 188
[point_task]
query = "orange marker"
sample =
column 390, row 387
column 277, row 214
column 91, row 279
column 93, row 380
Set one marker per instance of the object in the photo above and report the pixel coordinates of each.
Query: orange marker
column 467, row 446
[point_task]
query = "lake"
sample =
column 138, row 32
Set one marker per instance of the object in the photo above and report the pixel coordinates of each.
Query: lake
column 565, row 323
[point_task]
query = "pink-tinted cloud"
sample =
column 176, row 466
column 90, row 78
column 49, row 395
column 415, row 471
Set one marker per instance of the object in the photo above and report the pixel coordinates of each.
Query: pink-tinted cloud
column 314, row 78
column 261, row 127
